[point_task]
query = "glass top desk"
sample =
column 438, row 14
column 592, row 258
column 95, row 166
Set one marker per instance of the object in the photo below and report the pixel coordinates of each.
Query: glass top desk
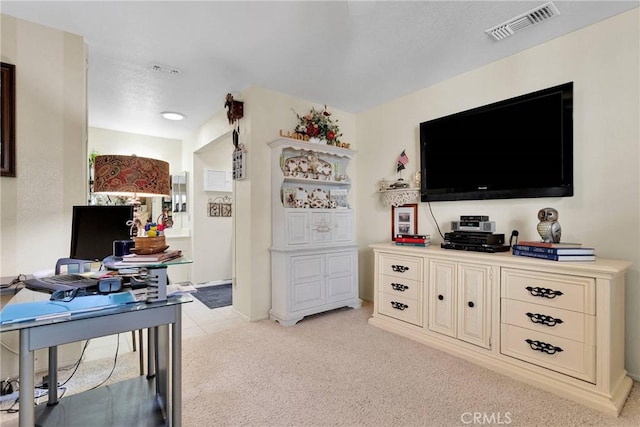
column 158, row 316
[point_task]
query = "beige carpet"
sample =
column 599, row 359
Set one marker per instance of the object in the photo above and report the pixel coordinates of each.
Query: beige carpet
column 335, row 369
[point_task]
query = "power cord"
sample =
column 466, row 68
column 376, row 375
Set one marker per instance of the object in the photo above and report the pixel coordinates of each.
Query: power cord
column 77, row 364
column 514, row 233
column 113, row 368
column 435, row 220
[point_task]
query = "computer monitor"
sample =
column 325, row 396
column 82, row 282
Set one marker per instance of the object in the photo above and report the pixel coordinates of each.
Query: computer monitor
column 94, row 228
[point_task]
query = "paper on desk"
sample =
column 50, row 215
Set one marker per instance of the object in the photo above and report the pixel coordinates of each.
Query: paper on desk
column 43, row 310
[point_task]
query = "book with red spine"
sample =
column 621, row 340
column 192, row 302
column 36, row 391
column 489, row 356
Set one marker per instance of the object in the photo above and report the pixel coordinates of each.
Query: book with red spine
column 410, row 240
column 413, row 236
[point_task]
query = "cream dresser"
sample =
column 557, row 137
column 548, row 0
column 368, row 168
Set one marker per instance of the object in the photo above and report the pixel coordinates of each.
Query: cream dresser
column 556, row 325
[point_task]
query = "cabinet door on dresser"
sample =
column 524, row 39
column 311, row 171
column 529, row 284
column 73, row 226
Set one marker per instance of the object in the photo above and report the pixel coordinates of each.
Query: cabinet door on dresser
column 474, row 294
column 459, row 301
column 442, row 297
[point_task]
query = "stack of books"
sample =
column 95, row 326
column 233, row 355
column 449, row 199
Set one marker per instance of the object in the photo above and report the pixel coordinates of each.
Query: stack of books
column 152, row 258
column 554, row 251
column 413, row 239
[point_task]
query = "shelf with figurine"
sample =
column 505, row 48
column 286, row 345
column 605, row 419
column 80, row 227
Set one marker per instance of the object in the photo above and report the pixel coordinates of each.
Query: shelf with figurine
column 400, row 192
column 313, row 174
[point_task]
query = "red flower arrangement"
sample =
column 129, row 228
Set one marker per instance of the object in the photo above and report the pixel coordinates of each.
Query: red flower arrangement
column 318, row 124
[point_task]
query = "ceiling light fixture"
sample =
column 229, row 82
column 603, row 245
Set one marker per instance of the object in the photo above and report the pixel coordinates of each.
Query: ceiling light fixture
column 172, row 115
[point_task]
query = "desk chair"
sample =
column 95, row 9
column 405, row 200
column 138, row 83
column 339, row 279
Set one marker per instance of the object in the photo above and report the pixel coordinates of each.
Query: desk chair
column 76, row 266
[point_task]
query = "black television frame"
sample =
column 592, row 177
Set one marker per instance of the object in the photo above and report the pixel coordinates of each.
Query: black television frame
column 565, row 188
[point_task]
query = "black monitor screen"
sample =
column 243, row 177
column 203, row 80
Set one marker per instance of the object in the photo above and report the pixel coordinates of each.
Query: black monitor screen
column 94, row 228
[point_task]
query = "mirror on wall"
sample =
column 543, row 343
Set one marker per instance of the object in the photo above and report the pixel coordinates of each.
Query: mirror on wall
column 179, row 193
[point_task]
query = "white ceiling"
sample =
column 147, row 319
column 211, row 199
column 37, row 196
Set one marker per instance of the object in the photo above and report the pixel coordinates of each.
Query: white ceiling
column 348, row 55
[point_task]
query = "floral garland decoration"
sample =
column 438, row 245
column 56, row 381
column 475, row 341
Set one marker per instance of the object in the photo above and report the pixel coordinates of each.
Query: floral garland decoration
column 318, row 124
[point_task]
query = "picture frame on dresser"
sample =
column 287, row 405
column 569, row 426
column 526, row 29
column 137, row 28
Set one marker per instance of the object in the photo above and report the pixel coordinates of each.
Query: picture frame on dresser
column 404, row 220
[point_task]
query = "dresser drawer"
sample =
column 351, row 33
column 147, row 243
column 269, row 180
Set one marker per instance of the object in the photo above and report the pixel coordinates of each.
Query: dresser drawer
column 549, row 320
column 399, row 308
column 560, row 354
column 552, row 290
column 399, row 266
column 400, row 286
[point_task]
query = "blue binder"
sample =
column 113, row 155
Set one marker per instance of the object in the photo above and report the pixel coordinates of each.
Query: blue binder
column 44, row 310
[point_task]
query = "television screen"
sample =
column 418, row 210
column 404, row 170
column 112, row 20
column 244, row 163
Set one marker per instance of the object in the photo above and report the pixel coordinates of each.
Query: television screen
column 94, row 228
column 517, row 148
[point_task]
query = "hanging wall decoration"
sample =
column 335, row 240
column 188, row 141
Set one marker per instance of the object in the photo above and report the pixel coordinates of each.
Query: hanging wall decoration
column 235, row 109
column 220, row 206
column 239, row 157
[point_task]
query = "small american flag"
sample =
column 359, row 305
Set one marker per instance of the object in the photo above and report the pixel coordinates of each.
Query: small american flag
column 402, row 160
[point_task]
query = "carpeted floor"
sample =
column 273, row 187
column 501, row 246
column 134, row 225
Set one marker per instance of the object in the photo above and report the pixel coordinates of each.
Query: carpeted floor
column 215, row 296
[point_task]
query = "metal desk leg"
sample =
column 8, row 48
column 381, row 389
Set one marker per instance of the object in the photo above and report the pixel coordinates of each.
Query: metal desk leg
column 151, row 351
column 140, row 351
column 26, row 367
column 53, row 376
column 176, row 369
column 163, row 369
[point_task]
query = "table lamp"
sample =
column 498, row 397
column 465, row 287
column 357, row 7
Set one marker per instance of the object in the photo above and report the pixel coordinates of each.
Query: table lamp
column 132, row 177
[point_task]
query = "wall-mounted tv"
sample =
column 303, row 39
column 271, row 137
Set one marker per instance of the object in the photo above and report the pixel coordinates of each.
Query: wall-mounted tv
column 517, row 148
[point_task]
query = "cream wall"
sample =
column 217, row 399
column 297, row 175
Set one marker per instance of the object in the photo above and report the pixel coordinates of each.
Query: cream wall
column 212, row 244
column 51, row 117
column 603, row 62
column 36, row 205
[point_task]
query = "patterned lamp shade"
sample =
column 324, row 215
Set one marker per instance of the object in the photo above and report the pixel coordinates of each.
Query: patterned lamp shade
column 131, row 176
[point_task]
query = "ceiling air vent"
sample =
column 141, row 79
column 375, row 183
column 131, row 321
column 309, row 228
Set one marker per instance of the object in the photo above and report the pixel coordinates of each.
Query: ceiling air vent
column 534, row 16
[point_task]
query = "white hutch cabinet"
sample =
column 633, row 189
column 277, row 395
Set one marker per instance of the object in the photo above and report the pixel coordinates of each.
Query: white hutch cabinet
column 314, row 259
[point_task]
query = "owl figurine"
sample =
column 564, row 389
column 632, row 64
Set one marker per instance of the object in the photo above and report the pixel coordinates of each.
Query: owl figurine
column 549, row 227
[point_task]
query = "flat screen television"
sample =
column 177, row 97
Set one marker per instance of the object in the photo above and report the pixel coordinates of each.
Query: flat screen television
column 517, row 148
column 94, row 228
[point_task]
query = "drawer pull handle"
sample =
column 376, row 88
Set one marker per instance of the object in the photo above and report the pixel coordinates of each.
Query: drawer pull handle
column 471, row 304
column 398, row 305
column 543, row 292
column 441, row 297
column 543, row 347
column 400, row 268
column 399, row 287
column 544, row 319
